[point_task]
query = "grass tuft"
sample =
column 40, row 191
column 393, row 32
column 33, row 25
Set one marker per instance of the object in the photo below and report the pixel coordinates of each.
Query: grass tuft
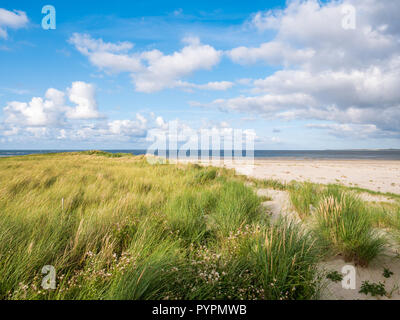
column 345, row 224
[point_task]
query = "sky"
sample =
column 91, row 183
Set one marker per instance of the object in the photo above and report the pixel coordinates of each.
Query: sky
column 113, row 74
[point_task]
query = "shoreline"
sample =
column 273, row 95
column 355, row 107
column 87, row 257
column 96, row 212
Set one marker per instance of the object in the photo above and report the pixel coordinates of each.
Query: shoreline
column 298, row 155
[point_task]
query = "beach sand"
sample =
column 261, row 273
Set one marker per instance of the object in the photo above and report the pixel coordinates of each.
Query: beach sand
column 377, row 175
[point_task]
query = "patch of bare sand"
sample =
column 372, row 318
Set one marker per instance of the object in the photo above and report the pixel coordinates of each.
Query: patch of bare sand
column 373, row 274
column 377, row 175
column 280, row 204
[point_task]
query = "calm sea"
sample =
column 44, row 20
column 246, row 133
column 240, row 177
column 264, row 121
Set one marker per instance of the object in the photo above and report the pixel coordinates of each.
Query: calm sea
column 294, row 154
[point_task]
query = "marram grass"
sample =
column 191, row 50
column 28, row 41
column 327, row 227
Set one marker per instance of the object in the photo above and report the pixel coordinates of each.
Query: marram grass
column 342, row 220
column 131, row 230
column 346, row 224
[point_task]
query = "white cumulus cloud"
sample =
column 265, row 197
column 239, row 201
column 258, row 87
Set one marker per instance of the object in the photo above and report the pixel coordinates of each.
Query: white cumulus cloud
column 349, row 77
column 11, row 19
column 152, row 70
column 83, row 95
column 52, row 110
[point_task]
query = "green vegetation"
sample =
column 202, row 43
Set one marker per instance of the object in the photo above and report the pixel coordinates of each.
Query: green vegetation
column 340, row 219
column 345, row 225
column 117, row 227
column 304, row 197
column 269, row 183
column 105, row 154
column 387, row 216
column 387, row 273
column 279, row 256
column 334, row 276
column 131, row 230
column 375, row 289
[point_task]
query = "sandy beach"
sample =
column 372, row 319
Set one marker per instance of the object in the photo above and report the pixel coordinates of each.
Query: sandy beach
column 377, row 175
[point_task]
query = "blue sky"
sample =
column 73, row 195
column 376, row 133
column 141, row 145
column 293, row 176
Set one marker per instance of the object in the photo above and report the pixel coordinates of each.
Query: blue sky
column 113, row 72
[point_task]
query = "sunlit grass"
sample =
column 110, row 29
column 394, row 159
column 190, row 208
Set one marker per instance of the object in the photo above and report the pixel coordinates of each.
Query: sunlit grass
column 340, row 218
column 346, row 225
column 116, row 227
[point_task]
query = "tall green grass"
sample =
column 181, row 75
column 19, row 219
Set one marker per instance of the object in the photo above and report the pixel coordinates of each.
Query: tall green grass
column 131, row 230
column 306, row 196
column 346, row 225
column 283, row 257
column 343, row 221
column 387, row 216
column 238, row 205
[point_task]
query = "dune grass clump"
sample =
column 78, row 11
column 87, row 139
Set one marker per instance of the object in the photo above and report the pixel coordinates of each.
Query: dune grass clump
column 306, row 196
column 270, row 183
column 205, row 175
column 283, row 257
column 275, row 262
column 118, row 227
column 394, row 217
column 386, row 215
column 238, row 205
column 345, row 224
